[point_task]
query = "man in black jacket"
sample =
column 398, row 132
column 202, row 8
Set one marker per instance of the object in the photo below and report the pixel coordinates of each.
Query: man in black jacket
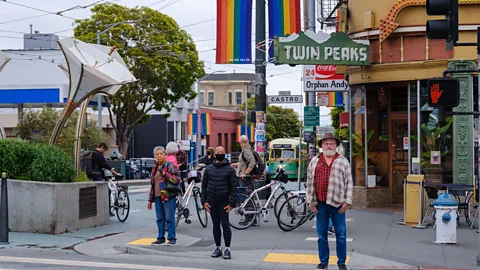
column 219, row 195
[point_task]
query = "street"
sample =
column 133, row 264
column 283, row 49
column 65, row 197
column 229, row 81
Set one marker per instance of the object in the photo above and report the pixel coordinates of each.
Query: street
column 374, row 240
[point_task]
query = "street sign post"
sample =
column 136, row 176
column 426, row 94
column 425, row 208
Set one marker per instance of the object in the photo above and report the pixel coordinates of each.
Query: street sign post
column 311, row 116
column 284, row 99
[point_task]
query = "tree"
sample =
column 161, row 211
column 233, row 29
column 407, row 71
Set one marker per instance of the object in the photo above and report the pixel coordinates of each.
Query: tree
column 281, row 122
column 162, row 57
column 37, row 126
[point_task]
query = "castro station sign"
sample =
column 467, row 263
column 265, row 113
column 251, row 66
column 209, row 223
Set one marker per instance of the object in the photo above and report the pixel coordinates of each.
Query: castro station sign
column 308, row 48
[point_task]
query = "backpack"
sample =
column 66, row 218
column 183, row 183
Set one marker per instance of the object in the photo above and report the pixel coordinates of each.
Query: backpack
column 86, row 164
column 259, row 165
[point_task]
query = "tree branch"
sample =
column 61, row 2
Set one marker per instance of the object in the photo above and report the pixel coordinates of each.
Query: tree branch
column 111, row 114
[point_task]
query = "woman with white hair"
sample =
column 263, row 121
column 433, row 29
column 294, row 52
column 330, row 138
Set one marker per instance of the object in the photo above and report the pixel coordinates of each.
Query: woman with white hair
column 171, row 150
column 164, row 187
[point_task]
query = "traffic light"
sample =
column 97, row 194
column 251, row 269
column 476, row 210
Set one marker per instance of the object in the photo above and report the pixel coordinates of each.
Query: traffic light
column 443, row 29
column 443, row 92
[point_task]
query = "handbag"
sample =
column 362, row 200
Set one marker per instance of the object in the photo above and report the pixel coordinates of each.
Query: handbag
column 170, row 187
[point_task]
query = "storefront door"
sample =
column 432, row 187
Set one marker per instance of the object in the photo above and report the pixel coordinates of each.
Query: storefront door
column 399, row 156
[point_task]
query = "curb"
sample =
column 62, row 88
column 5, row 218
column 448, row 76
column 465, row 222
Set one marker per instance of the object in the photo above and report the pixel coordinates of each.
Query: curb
column 147, row 251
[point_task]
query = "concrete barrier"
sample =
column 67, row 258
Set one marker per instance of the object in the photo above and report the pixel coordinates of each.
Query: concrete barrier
column 54, row 208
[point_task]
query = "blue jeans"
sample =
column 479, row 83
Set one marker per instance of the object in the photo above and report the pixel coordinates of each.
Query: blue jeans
column 325, row 212
column 165, row 212
column 330, row 223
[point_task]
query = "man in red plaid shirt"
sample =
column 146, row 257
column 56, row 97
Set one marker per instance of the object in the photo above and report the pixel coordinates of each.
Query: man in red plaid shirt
column 329, row 195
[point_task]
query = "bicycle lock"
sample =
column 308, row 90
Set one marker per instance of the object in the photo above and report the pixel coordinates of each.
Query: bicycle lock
column 4, row 211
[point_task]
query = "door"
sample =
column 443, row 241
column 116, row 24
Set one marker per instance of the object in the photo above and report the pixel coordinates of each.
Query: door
column 399, row 156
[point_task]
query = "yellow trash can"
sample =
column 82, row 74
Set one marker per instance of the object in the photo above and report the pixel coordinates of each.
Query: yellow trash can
column 414, row 199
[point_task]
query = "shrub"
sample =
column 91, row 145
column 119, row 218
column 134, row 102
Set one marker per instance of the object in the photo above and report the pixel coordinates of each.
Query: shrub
column 36, row 162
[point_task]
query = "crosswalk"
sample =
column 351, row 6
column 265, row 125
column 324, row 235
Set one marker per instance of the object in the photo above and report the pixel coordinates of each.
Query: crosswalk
column 91, row 264
column 331, row 238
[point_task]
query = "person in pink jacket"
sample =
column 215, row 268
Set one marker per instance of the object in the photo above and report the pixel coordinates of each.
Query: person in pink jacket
column 172, row 149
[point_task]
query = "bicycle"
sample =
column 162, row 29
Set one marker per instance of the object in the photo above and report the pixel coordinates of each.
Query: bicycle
column 298, row 212
column 119, row 199
column 182, row 203
column 246, row 206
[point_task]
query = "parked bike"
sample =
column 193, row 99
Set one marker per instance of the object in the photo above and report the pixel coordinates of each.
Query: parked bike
column 119, row 200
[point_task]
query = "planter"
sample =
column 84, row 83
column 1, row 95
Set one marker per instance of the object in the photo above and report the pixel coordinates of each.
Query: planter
column 361, row 176
column 433, row 175
column 41, row 207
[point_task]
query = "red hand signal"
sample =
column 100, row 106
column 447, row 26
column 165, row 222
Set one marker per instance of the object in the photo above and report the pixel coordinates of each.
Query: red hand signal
column 435, row 92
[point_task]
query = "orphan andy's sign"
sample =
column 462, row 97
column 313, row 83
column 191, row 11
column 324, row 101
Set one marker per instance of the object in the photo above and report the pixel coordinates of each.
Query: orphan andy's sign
column 311, row 48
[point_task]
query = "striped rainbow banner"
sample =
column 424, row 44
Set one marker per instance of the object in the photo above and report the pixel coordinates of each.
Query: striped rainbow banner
column 206, row 123
column 234, row 32
column 283, row 19
column 191, row 124
column 335, row 99
column 250, row 132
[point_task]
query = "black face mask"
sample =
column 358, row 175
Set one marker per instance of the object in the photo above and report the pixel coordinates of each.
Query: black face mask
column 220, row 157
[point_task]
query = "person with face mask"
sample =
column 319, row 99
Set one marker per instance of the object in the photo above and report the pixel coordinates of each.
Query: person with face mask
column 329, row 195
column 219, row 195
column 209, row 158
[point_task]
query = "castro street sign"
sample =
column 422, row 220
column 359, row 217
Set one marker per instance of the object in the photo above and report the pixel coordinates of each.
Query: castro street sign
column 308, row 48
column 284, row 99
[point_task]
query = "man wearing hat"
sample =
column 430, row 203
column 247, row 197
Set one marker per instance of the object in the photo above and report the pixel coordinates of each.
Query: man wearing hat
column 329, row 195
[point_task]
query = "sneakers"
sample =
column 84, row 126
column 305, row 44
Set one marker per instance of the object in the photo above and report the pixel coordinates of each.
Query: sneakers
column 217, row 253
column 342, row 267
column 227, row 255
column 172, row 243
column 159, row 242
column 112, row 214
column 331, row 231
column 322, row 266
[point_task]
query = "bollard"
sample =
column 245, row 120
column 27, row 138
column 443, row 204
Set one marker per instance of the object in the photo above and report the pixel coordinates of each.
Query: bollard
column 4, row 212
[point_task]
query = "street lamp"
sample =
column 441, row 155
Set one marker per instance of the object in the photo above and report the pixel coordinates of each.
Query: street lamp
column 199, row 118
column 99, row 98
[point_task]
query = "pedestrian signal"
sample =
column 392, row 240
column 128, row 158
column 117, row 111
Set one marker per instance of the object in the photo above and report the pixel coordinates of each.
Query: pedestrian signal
column 443, row 92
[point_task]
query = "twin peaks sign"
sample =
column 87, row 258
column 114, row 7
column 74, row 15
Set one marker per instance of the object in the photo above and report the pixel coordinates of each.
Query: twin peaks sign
column 308, row 48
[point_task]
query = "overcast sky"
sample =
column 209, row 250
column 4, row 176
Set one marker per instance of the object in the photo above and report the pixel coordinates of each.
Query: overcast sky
column 198, row 15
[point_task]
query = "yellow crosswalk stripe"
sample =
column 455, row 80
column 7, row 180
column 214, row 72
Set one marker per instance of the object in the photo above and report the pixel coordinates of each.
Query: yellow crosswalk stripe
column 298, row 259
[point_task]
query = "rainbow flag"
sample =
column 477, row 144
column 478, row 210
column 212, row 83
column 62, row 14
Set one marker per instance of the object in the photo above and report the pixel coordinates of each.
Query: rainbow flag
column 206, row 123
column 335, row 99
column 283, row 19
column 234, row 32
column 191, row 124
column 249, row 131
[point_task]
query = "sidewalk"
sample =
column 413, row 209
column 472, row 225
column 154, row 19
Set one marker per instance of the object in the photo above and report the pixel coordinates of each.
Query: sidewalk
column 375, row 240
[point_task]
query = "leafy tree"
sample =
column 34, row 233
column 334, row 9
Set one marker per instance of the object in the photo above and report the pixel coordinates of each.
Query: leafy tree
column 281, row 122
column 162, row 57
column 37, row 126
column 335, row 116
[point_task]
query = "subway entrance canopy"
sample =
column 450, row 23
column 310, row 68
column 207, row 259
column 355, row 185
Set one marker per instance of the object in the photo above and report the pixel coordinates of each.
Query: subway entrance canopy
column 309, row 48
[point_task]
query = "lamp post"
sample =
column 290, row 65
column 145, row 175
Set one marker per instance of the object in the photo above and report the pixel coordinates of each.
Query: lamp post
column 199, row 117
column 99, row 98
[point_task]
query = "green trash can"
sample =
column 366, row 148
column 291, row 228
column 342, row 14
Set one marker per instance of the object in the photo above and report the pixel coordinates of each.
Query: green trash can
column 119, row 165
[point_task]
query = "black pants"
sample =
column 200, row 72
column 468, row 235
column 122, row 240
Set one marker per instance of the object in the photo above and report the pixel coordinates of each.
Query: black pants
column 220, row 216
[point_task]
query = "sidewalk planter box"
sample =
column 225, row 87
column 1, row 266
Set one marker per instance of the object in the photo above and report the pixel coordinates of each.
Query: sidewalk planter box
column 54, row 208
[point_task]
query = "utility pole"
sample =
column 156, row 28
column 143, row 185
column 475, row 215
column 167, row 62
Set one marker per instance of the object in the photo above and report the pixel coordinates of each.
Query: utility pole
column 311, row 26
column 260, row 56
column 99, row 97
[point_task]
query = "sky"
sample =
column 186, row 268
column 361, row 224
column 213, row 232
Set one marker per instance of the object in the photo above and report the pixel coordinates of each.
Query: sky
column 197, row 17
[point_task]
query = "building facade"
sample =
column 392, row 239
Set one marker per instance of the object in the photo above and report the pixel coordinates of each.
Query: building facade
column 393, row 89
column 225, row 91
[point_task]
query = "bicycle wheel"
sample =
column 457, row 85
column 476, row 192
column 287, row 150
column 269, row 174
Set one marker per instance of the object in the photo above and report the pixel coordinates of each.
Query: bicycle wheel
column 123, row 208
column 245, row 216
column 295, row 212
column 279, row 201
column 201, row 212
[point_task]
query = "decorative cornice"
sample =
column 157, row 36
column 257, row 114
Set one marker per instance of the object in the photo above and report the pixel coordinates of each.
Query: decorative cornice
column 388, row 24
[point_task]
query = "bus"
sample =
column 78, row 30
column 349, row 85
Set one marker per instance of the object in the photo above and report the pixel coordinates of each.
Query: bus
column 288, row 151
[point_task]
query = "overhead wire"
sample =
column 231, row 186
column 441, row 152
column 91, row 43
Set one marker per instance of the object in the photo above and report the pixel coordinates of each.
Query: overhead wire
column 38, row 9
